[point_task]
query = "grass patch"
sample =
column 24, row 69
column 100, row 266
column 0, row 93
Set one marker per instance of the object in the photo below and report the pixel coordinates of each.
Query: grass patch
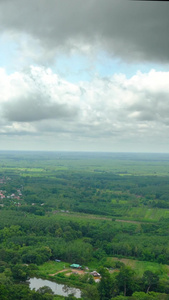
column 51, row 267
column 145, row 214
column 141, row 266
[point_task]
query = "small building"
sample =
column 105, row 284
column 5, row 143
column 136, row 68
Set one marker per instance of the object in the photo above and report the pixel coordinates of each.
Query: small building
column 95, row 274
column 75, row 266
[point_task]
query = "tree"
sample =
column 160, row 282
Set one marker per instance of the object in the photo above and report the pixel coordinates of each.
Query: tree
column 150, row 280
column 149, row 296
column 46, row 292
column 70, row 297
column 45, row 289
column 4, row 279
column 107, row 285
column 90, row 293
column 125, row 280
column 20, row 272
column 140, row 296
column 120, row 297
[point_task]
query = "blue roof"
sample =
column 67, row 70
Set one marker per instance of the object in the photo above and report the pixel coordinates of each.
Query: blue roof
column 75, row 266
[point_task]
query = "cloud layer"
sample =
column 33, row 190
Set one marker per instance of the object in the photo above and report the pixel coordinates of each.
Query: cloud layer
column 39, row 106
column 39, row 102
column 131, row 30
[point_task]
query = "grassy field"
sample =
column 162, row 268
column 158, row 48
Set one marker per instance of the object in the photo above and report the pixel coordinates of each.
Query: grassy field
column 52, row 267
column 146, row 214
column 141, row 266
column 137, row 214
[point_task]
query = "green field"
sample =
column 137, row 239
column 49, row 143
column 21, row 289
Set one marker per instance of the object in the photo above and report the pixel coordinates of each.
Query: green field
column 89, row 208
column 141, row 266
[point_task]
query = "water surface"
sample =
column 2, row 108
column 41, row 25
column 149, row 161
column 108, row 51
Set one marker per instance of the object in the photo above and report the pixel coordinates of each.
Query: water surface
column 57, row 288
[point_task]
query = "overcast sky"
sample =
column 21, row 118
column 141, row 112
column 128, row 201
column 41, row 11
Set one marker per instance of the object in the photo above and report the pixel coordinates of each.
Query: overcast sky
column 87, row 75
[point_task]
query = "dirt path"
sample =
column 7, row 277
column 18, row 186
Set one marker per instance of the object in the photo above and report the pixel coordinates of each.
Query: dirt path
column 64, row 270
column 128, row 221
column 70, row 271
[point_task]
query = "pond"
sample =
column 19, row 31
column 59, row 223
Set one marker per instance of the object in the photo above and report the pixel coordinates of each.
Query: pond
column 57, row 288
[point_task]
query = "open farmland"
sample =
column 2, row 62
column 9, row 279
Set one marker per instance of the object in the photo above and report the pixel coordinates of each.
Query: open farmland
column 98, row 210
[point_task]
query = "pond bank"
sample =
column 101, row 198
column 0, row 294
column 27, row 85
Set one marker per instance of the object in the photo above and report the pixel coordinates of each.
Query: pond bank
column 57, row 288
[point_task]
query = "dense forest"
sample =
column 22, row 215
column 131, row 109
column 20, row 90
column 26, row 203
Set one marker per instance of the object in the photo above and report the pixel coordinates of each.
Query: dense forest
column 106, row 212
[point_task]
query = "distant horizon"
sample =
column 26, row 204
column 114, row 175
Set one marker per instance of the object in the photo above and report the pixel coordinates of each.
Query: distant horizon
column 81, row 151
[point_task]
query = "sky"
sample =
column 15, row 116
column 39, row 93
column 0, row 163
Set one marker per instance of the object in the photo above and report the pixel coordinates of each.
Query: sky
column 87, row 75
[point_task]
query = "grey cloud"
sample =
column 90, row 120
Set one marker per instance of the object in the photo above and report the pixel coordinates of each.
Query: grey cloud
column 37, row 94
column 82, row 131
column 150, row 106
column 147, row 116
column 34, row 108
column 132, row 30
column 41, row 104
column 21, row 133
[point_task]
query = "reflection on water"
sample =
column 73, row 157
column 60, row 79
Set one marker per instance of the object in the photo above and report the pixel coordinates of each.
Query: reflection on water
column 57, row 288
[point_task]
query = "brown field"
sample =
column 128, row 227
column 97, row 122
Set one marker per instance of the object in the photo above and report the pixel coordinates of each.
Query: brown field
column 68, row 272
column 64, row 270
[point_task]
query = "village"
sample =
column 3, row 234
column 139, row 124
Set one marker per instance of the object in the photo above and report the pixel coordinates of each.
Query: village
column 77, row 269
column 15, row 197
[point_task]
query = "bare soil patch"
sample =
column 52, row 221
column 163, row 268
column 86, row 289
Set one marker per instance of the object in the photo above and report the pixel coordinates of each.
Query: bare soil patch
column 64, row 270
column 80, row 272
column 69, row 272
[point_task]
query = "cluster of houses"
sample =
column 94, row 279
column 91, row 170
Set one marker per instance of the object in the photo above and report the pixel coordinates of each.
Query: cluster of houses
column 2, row 196
column 17, row 195
column 93, row 273
column 3, row 180
column 12, row 196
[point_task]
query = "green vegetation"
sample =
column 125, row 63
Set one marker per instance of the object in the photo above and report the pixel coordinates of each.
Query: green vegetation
column 97, row 210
